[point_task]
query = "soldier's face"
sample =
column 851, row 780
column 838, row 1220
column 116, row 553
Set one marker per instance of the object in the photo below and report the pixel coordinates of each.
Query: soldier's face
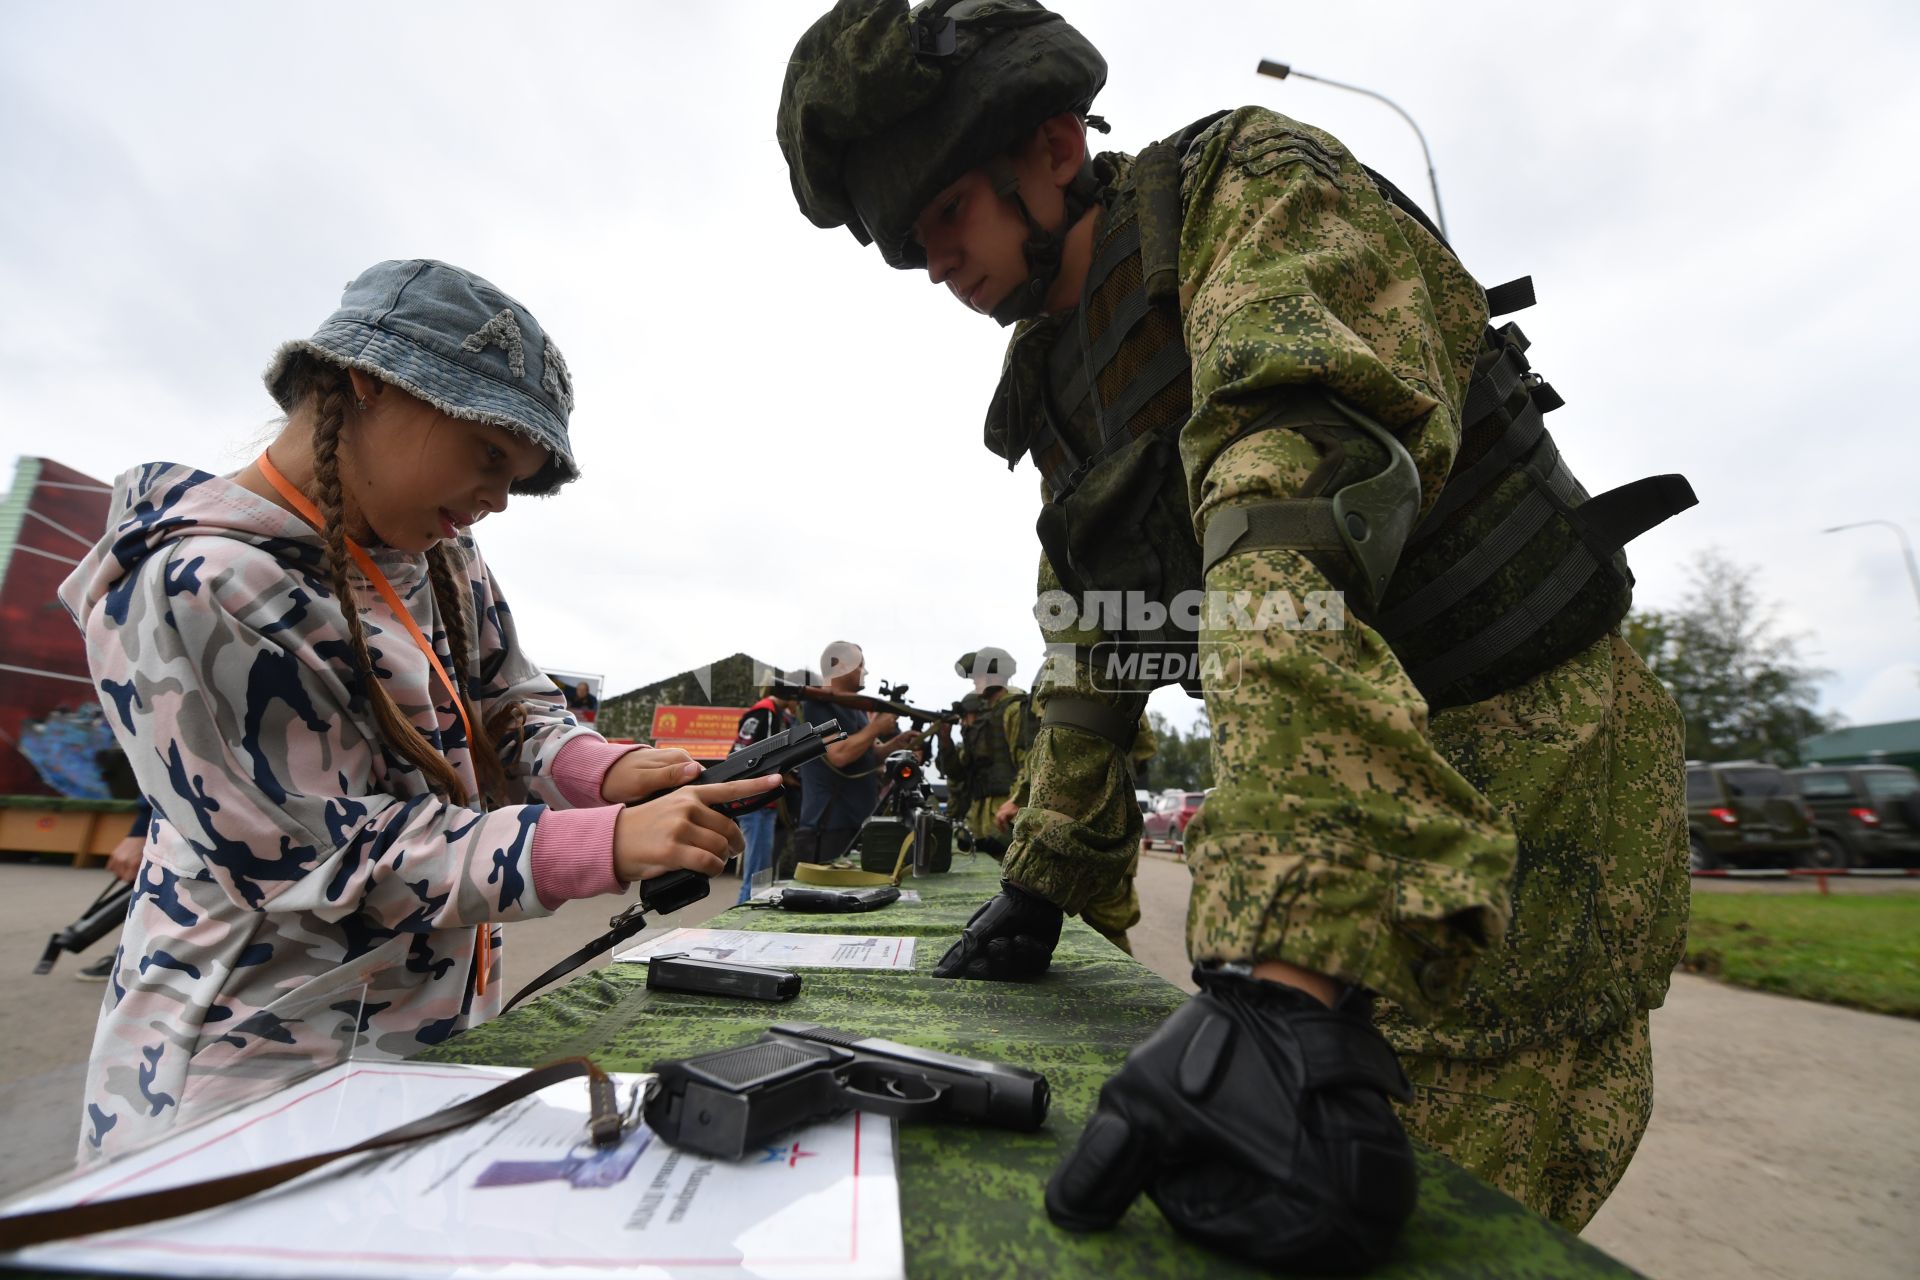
column 976, row 239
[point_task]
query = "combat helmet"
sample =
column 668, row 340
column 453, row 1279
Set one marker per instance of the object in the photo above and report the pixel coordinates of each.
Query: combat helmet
column 884, row 107
column 993, row 663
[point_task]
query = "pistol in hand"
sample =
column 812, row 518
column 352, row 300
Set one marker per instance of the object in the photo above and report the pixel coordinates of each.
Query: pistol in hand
column 781, row 753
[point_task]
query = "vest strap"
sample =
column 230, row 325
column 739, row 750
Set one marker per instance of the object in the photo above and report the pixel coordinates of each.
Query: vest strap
column 1091, row 716
column 1515, row 443
column 1156, row 181
column 1514, row 295
column 1546, row 599
column 1161, row 368
column 1295, row 524
column 1471, row 570
column 1490, row 390
column 1608, row 522
column 1620, row 515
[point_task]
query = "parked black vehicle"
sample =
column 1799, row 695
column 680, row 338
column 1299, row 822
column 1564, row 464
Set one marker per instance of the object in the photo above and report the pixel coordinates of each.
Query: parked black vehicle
column 1745, row 812
column 1864, row 815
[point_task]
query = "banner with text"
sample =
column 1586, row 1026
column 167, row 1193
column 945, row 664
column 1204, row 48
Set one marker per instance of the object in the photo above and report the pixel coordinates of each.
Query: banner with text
column 705, row 733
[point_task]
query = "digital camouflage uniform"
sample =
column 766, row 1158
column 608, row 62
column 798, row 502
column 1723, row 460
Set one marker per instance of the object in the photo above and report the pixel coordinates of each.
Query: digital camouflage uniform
column 1117, row 909
column 1509, row 875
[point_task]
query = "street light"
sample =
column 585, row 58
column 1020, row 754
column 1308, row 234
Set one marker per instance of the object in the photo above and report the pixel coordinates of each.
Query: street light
column 1906, row 548
column 1281, row 70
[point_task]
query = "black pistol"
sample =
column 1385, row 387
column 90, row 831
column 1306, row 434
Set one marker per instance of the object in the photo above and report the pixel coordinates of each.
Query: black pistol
column 781, row 753
column 665, row 894
column 733, row 1101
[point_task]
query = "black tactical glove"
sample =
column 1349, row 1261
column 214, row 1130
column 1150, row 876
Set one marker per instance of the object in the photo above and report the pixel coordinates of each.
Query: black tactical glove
column 1010, row 938
column 1258, row 1120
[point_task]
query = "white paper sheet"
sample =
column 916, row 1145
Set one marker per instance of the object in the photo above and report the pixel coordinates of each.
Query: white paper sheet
column 777, row 950
column 518, row 1194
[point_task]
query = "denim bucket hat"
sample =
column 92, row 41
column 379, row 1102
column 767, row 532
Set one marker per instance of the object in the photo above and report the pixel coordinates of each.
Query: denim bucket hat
column 452, row 339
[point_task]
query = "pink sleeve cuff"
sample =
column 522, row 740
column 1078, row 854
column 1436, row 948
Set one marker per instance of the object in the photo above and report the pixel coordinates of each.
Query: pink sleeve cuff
column 573, row 854
column 581, row 767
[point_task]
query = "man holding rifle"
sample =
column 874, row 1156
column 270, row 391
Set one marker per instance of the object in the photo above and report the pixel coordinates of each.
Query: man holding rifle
column 841, row 789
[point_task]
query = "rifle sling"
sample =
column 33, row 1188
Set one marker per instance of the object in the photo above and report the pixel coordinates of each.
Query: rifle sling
column 21, row 1230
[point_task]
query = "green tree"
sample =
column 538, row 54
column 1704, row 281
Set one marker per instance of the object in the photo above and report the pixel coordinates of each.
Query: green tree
column 1744, row 686
column 1184, row 761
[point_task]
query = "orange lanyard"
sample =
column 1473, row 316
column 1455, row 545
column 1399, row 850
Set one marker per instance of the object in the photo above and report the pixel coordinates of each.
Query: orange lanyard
column 311, row 514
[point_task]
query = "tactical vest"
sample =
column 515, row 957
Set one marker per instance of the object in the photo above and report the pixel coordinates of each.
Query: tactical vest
column 1514, row 569
column 993, row 749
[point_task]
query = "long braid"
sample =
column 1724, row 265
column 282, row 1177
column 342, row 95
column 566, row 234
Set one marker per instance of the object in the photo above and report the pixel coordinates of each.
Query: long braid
column 395, row 729
column 450, row 593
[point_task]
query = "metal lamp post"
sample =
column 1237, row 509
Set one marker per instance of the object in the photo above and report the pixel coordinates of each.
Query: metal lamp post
column 1281, row 70
column 1906, row 549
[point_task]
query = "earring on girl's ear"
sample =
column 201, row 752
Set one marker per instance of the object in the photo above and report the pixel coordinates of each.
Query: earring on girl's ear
column 360, row 403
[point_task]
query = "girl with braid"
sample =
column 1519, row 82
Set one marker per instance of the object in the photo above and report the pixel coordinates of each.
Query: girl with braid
column 355, row 771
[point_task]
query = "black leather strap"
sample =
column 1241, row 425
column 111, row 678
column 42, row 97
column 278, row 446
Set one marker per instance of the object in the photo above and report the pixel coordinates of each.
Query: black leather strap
column 662, row 894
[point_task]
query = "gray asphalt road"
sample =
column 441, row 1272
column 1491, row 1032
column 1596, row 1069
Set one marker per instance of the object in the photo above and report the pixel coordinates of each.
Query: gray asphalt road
column 1782, row 1142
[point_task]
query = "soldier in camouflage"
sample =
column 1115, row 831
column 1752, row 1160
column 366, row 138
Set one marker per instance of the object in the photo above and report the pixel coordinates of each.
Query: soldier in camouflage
column 1117, row 909
column 991, row 753
column 1482, row 867
column 952, row 758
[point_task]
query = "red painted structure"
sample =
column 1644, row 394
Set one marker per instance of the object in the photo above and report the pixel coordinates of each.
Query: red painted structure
column 43, row 658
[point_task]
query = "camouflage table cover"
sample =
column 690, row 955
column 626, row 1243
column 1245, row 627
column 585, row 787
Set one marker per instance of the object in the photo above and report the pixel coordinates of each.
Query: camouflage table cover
column 971, row 1198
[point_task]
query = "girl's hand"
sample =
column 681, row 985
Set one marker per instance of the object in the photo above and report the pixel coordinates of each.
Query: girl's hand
column 682, row 830
column 124, row 861
column 638, row 774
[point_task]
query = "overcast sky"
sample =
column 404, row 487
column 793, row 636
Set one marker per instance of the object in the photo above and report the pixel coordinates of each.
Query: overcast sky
column 781, row 437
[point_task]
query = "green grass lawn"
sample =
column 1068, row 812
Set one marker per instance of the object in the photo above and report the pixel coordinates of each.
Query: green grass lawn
column 1862, row 951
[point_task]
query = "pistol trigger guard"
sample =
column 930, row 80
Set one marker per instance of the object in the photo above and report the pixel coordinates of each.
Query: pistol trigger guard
column 904, row 1095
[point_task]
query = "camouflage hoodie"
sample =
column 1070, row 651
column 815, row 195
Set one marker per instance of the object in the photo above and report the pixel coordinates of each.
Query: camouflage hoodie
column 303, row 894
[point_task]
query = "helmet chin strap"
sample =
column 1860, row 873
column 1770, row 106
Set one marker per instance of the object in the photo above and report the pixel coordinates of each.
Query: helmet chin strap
column 1045, row 247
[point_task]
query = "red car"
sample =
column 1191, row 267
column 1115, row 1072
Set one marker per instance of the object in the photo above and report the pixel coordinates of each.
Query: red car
column 1166, row 821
